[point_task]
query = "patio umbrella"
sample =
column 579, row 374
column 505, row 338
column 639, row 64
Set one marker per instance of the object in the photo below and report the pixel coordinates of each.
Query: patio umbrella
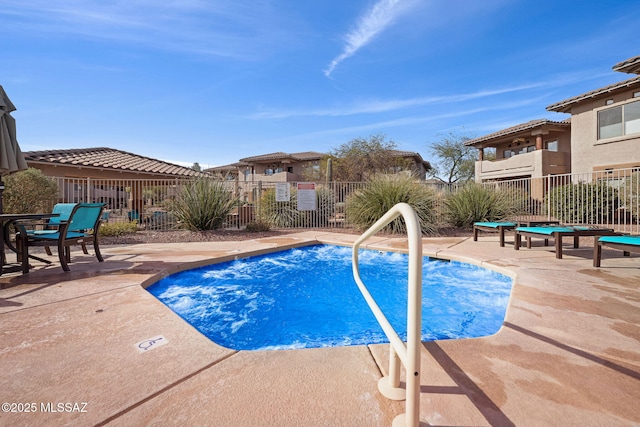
column 11, row 157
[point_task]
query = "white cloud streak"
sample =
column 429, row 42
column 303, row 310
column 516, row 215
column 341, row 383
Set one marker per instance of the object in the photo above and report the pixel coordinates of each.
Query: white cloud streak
column 372, row 23
column 383, row 106
column 223, row 28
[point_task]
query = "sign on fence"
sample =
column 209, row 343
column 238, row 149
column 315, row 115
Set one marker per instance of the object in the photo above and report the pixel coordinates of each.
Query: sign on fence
column 283, row 192
column 307, row 196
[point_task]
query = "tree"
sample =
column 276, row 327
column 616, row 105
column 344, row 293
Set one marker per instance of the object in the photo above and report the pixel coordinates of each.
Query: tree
column 196, row 167
column 361, row 158
column 29, row 191
column 456, row 161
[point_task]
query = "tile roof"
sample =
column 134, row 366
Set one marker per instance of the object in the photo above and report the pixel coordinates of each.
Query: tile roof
column 303, row 156
column 631, row 65
column 565, row 106
column 417, row 156
column 108, row 158
column 518, row 128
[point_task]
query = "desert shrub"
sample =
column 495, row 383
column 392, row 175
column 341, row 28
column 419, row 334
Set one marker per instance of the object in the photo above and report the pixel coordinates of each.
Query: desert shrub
column 29, row 191
column 586, row 203
column 364, row 207
column 631, row 194
column 203, row 204
column 257, row 226
column 118, row 228
column 475, row 202
column 286, row 214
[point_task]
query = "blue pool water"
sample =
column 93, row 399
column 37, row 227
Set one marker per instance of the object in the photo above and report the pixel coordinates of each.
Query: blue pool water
column 307, row 297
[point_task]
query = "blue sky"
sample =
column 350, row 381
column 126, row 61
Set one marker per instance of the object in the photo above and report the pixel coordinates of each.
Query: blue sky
column 212, row 81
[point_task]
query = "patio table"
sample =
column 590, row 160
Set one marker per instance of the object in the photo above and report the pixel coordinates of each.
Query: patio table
column 6, row 220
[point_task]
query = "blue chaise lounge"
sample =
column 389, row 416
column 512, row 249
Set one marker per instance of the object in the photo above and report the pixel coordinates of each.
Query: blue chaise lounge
column 627, row 244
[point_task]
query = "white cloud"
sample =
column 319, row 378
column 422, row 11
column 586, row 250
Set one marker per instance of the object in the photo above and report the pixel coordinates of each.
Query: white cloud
column 382, row 106
column 224, row 28
column 372, row 23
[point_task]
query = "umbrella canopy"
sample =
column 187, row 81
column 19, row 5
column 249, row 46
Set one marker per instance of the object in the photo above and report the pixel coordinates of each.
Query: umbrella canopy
column 11, row 157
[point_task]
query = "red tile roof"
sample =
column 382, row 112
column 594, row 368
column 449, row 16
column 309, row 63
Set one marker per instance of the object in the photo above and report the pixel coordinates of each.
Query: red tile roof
column 519, row 128
column 565, row 106
column 303, row 156
column 109, row 158
column 631, row 65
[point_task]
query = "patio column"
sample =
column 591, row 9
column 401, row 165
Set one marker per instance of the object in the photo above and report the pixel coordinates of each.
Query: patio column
column 480, row 154
column 539, row 142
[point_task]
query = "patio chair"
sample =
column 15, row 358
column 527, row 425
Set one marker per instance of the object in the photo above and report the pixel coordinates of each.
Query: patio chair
column 493, row 227
column 81, row 227
column 627, row 244
column 63, row 212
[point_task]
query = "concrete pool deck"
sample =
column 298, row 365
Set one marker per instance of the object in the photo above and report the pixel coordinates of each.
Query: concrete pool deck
column 567, row 354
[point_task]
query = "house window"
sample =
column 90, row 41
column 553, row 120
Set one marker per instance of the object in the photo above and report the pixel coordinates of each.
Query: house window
column 632, row 118
column 507, row 154
column 552, row 145
column 618, row 121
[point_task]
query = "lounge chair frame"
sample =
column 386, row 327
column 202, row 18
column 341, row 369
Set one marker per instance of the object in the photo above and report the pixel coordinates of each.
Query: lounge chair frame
column 558, row 233
column 624, row 247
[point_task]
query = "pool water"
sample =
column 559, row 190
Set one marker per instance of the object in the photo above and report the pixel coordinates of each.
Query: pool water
column 307, row 297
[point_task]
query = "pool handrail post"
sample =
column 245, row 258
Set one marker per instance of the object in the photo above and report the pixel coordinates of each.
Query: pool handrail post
column 409, row 354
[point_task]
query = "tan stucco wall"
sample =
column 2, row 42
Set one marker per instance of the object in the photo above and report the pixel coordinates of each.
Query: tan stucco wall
column 588, row 153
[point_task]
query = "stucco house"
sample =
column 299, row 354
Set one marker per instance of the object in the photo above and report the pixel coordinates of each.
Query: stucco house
column 291, row 167
column 603, row 133
column 120, row 179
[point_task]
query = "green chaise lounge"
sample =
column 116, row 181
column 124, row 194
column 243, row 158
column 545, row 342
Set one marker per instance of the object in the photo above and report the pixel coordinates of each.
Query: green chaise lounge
column 493, row 227
column 627, row 244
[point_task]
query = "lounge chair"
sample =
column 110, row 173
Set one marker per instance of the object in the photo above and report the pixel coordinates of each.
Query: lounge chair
column 627, row 244
column 558, row 232
column 493, row 227
column 81, row 227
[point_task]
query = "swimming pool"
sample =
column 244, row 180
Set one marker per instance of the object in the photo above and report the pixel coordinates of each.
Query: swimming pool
column 306, row 298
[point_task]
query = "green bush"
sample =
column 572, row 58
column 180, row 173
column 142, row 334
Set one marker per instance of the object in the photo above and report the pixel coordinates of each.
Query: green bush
column 29, row 191
column 631, row 194
column 366, row 206
column 286, row 214
column 118, row 228
column 257, row 226
column 475, row 203
column 203, row 204
column 583, row 203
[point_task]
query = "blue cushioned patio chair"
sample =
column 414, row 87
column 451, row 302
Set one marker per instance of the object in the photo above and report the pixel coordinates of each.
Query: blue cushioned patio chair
column 627, row 244
column 63, row 212
column 80, row 228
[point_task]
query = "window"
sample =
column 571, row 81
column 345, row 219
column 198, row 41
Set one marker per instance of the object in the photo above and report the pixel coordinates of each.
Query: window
column 507, row 154
column 632, row 118
column 618, row 121
column 552, row 145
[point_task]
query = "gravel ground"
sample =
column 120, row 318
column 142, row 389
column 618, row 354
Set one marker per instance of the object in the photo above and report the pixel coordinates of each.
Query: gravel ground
column 181, row 236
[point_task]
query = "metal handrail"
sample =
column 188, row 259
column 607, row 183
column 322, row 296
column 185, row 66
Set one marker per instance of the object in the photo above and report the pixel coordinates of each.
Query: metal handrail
column 409, row 354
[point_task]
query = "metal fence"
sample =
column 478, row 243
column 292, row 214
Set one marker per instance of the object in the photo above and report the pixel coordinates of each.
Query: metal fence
column 608, row 198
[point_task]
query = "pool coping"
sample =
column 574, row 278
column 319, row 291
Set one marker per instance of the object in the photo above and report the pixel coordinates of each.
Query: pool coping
column 568, row 352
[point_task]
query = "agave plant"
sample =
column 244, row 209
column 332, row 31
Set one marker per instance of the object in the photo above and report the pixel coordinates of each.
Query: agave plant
column 384, row 191
column 203, row 204
column 475, row 203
